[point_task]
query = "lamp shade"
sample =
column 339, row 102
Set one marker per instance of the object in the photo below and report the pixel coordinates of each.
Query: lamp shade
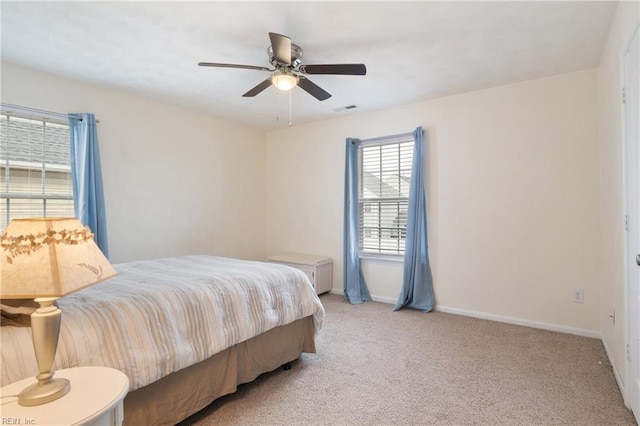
column 49, row 257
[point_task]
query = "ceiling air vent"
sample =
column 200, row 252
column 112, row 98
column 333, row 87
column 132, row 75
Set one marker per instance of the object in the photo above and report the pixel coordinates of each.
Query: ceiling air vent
column 348, row 107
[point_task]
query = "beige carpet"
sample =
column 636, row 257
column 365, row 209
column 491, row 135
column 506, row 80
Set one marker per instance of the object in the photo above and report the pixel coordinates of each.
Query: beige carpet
column 378, row 367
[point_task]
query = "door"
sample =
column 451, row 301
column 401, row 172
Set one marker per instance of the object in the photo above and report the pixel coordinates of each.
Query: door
column 631, row 110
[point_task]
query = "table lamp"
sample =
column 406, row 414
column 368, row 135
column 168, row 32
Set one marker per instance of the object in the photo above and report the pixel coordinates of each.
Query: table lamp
column 47, row 258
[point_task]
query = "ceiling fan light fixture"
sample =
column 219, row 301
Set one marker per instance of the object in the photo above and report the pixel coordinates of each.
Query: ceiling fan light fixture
column 284, row 80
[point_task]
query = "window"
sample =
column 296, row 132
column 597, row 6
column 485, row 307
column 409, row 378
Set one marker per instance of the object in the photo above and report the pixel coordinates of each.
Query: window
column 35, row 168
column 384, row 181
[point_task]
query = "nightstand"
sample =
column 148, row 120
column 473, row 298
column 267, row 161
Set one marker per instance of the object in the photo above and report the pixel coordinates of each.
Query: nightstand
column 95, row 398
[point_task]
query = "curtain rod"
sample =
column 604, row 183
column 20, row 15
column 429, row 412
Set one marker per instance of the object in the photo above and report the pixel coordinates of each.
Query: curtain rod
column 387, row 138
column 40, row 112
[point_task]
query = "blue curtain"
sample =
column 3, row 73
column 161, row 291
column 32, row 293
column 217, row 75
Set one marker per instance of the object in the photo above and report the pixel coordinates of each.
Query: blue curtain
column 417, row 283
column 355, row 287
column 88, row 195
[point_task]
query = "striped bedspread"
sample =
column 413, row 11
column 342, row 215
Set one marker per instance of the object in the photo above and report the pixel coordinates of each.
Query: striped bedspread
column 160, row 316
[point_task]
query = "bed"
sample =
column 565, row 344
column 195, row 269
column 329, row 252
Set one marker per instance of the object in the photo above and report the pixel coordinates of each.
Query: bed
column 185, row 330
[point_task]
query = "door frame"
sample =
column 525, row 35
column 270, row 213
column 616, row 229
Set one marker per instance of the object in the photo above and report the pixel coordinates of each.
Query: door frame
column 630, row 195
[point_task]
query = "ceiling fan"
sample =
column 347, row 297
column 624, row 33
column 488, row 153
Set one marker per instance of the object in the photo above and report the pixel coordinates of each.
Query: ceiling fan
column 288, row 71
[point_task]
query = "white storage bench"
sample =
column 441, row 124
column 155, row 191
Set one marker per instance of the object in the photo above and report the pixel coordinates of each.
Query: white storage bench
column 319, row 269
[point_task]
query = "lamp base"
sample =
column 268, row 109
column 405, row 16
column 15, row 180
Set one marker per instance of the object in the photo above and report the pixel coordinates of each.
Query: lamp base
column 41, row 393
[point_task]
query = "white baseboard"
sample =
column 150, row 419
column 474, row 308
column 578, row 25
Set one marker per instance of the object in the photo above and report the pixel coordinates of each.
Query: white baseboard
column 526, row 323
column 499, row 318
column 380, row 299
column 616, row 374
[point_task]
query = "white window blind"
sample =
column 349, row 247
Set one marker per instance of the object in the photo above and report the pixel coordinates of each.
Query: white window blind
column 385, row 178
column 35, row 168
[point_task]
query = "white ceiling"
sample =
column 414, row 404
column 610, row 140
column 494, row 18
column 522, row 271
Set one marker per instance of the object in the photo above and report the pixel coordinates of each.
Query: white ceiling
column 413, row 50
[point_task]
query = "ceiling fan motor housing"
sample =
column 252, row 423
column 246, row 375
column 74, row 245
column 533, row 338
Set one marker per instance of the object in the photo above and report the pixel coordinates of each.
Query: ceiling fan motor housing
column 296, row 57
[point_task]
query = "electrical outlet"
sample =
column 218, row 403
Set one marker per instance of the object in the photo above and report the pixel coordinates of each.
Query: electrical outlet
column 578, row 296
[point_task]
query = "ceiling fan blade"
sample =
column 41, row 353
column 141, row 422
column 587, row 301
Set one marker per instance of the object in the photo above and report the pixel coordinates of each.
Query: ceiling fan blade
column 281, row 46
column 342, row 69
column 259, row 88
column 247, row 67
column 313, row 89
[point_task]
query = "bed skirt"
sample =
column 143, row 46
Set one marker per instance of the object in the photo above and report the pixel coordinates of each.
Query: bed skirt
column 185, row 392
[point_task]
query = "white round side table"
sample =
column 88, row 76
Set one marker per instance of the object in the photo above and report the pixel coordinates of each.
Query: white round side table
column 95, row 398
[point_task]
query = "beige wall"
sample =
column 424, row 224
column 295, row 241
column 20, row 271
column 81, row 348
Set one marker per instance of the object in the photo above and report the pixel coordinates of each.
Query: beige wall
column 612, row 272
column 513, row 201
column 176, row 182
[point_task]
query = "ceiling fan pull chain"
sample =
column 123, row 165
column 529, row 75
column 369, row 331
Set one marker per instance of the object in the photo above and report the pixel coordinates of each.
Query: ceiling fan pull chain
column 290, row 109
